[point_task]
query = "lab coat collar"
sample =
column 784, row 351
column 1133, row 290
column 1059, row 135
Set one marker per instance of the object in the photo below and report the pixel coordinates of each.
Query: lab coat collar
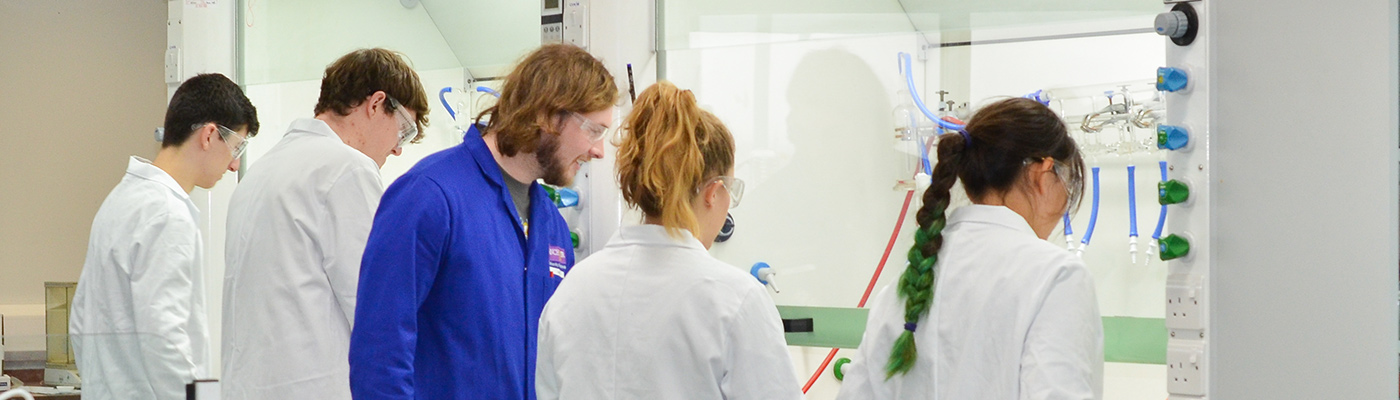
column 142, row 168
column 483, row 157
column 653, row 235
column 486, row 162
column 312, row 125
column 997, row 215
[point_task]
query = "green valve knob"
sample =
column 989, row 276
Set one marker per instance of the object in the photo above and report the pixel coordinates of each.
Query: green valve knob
column 1174, row 247
column 836, row 370
column 553, row 194
column 1172, row 192
column 574, row 237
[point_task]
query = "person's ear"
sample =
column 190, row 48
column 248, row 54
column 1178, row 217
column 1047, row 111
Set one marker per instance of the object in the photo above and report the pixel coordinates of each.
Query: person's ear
column 1045, row 178
column 711, row 193
column 207, row 135
column 376, row 103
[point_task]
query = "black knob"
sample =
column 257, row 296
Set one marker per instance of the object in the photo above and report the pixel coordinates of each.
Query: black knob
column 728, row 230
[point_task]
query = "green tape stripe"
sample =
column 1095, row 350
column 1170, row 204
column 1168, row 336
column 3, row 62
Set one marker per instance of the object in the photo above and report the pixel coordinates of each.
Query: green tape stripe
column 832, row 326
column 1126, row 339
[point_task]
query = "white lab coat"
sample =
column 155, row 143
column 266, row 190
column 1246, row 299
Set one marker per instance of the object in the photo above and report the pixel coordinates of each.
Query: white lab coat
column 654, row 317
column 1013, row 317
column 137, row 320
column 297, row 226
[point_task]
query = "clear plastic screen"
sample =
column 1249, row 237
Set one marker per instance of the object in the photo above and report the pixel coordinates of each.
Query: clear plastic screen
column 814, row 95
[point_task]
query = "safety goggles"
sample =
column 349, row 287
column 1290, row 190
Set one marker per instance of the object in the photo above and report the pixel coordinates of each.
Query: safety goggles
column 1074, row 187
column 594, row 130
column 228, row 136
column 735, row 186
column 408, row 130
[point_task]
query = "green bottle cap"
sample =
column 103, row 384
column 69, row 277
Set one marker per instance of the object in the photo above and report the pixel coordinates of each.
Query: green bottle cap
column 1172, row 192
column 1174, row 247
column 574, row 237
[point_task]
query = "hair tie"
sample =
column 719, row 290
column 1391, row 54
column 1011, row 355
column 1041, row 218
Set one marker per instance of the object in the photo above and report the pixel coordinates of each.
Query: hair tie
column 910, row 326
column 967, row 138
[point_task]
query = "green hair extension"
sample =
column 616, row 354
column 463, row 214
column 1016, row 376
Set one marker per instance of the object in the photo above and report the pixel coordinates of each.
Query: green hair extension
column 902, row 356
column 916, row 287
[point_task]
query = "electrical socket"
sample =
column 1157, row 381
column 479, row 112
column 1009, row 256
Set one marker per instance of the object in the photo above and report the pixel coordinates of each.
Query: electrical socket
column 1186, row 368
column 1185, row 302
column 172, row 65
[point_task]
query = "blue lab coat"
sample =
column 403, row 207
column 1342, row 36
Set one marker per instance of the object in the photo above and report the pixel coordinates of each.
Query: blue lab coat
column 451, row 285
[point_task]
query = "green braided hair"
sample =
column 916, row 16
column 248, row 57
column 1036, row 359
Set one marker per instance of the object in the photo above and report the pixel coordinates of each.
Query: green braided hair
column 916, row 284
column 987, row 156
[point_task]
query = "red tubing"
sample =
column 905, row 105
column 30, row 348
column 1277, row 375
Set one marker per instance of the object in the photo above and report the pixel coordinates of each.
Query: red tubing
column 829, row 356
column 868, row 288
column 888, row 247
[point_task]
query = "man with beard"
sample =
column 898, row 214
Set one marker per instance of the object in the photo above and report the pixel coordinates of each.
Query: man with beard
column 467, row 247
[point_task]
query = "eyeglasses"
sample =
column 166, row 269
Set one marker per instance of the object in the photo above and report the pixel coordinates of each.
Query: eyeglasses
column 227, row 135
column 408, row 130
column 735, row 186
column 595, row 130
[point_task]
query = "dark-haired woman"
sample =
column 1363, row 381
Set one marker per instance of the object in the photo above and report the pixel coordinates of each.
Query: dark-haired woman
column 653, row 316
column 987, row 308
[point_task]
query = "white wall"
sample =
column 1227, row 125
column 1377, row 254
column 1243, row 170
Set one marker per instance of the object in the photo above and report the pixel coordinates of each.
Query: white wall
column 82, row 93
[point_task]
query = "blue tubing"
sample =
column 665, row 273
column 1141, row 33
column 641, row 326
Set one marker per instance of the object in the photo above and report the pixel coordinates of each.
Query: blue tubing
column 484, row 89
column 1039, row 96
column 909, row 79
column 443, row 99
column 923, row 149
column 1094, row 214
column 1068, row 230
column 1132, row 201
column 1161, row 215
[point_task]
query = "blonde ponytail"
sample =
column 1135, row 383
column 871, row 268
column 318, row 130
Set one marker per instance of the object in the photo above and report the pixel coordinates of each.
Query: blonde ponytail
column 670, row 149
